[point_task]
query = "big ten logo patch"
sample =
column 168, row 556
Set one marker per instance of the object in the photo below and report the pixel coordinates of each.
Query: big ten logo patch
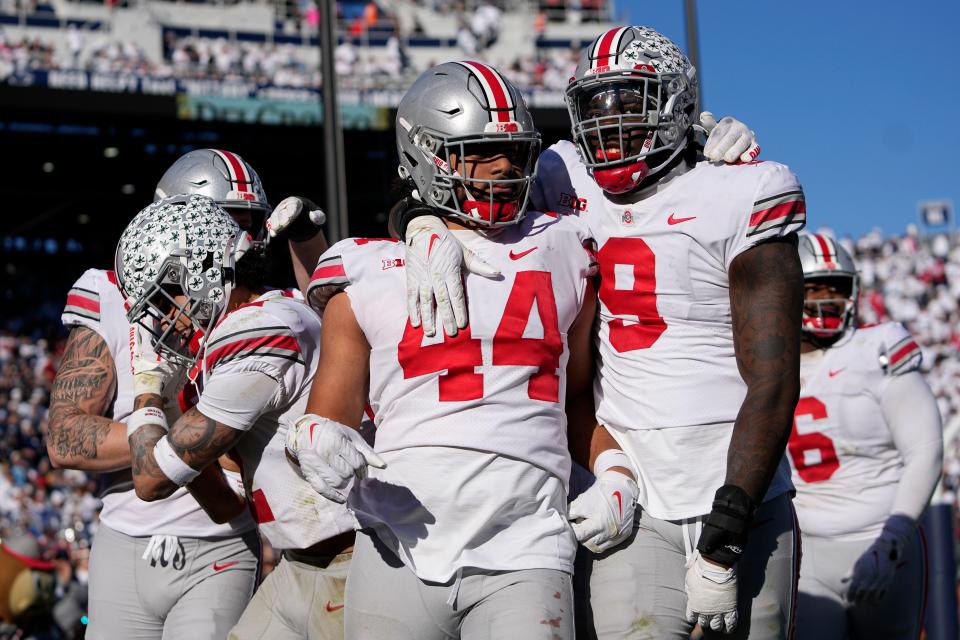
column 571, row 201
column 390, row 263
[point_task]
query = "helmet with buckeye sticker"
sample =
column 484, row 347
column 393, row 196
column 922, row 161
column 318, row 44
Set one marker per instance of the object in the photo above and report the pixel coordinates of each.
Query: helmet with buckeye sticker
column 467, row 141
column 632, row 101
column 175, row 266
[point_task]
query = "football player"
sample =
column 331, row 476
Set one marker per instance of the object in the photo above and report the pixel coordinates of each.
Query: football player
column 178, row 266
column 142, row 593
column 866, row 451
column 464, row 511
column 699, row 320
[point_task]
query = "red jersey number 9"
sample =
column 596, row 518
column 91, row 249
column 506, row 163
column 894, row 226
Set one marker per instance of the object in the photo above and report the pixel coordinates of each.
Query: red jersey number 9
column 640, row 300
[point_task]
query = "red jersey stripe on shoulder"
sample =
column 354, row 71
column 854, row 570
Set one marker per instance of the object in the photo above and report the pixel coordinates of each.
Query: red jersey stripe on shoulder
column 781, row 214
column 261, row 343
column 904, row 351
column 83, row 301
column 328, row 271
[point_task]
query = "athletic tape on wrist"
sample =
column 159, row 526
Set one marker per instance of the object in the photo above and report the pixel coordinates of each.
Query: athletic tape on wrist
column 612, row 458
column 147, row 382
column 145, row 416
column 176, row 470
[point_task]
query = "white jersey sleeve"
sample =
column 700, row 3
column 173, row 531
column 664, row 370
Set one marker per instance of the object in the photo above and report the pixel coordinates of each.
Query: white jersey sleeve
column 277, row 338
column 331, row 276
column 254, row 339
column 779, row 209
column 846, row 462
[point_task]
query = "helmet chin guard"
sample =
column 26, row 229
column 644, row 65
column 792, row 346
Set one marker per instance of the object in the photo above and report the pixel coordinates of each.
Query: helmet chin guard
column 622, row 179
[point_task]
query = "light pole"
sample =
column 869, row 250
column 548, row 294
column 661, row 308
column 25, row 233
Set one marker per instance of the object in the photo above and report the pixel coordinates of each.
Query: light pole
column 335, row 178
column 693, row 44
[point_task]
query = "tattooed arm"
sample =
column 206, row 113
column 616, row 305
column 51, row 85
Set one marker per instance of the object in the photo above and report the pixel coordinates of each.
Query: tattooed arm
column 195, row 439
column 79, row 436
column 766, row 298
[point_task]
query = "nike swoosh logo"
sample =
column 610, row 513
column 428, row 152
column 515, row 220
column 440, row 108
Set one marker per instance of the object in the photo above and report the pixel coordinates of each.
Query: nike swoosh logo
column 433, row 239
column 833, row 374
column 619, row 502
column 225, row 565
column 333, row 607
column 517, row 256
column 673, row 220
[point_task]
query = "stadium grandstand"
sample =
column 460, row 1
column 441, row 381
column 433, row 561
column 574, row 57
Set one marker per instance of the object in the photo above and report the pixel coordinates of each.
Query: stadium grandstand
column 220, row 49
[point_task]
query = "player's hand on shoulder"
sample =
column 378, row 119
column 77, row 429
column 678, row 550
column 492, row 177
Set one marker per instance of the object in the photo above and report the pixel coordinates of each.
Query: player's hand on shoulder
column 296, row 218
column 329, row 455
column 875, row 569
column 434, row 265
column 728, row 140
column 711, row 594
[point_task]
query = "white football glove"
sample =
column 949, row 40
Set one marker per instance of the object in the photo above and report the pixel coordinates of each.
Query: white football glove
column 711, row 595
column 875, row 569
column 161, row 549
column 434, row 262
column 602, row 516
column 728, row 140
column 330, row 455
column 151, row 373
column 286, row 218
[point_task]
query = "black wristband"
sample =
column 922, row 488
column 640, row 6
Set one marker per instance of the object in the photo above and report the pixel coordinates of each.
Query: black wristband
column 725, row 530
column 406, row 210
column 302, row 227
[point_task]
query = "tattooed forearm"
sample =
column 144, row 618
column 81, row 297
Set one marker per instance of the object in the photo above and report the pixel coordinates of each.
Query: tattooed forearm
column 79, row 436
column 195, row 438
column 148, row 479
column 766, row 298
column 198, row 440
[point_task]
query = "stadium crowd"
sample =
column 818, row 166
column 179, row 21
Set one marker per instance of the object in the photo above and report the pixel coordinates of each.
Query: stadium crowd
column 385, row 66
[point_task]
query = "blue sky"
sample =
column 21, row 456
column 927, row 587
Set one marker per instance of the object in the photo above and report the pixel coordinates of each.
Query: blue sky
column 861, row 100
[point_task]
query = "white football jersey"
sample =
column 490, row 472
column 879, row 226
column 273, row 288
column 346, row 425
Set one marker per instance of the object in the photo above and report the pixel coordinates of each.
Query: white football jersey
column 279, row 336
column 665, row 341
column 96, row 302
column 845, row 465
column 498, row 387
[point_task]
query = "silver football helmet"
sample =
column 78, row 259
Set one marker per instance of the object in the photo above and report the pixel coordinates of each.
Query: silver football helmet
column 180, row 246
column 632, row 100
column 223, row 176
column 467, row 109
column 823, row 258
